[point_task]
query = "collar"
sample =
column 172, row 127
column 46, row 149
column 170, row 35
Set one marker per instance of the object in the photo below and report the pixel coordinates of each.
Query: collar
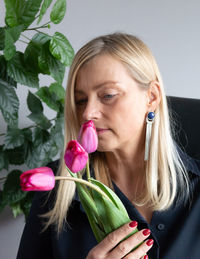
column 192, row 166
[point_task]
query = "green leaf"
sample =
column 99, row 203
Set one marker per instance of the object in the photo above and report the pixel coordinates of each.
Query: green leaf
column 38, row 153
column 12, row 192
column 16, row 156
column 3, row 159
column 61, row 48
column 3, row 73
column 27, row 134
column 2, row 38
column 16, row 209
column 103, row 217
column 2, row 202
column 11, row 36
column 34, row 103
column 26, row 203
column 9, row 104
column 21, row 11
column 47, row 97
column 116, row 217
column 50, row 65
column 58, row 11
column 43, row 10
column 113, row 197
column 33, row 51
column 91, row 211
column 14, row 11
column 10, row 48
column 17, row 69
column 40, row 120
column 31, row 9
column 14, row 138
column 57, row 133
column 57, row 90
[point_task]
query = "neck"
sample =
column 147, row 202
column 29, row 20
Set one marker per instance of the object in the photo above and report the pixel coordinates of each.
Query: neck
column 125, row 165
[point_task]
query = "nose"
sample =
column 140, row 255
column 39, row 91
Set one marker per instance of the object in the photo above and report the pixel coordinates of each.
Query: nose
column 91, row 111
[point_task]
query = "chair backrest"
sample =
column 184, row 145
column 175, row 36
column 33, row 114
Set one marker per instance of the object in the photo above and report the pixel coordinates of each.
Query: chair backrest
column 185, row 114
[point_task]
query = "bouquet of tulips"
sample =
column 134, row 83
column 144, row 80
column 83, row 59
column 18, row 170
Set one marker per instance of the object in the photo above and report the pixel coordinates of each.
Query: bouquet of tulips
column 104, row 209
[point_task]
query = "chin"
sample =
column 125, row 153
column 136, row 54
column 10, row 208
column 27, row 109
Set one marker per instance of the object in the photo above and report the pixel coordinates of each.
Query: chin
column 105, row 148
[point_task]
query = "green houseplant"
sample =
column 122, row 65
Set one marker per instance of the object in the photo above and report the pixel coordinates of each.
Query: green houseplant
column 44, row 54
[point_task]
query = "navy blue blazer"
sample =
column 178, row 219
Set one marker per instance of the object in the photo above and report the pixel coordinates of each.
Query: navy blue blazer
column 176, row 231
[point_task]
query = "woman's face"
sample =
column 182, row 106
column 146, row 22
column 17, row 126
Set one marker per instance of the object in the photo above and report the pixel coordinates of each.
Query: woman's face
column 106, row 94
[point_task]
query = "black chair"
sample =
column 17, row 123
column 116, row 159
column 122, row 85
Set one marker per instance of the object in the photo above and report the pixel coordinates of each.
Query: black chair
column 185, row 113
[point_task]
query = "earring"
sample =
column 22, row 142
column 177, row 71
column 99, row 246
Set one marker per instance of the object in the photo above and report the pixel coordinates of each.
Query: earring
column 149, row 120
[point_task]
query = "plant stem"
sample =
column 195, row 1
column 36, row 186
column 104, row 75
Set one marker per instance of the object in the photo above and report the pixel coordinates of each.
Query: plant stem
column 68, row 178
column 88, row 170
column 24, row 42
column 46, row 23
column 25, row 37
column 39, row 27
column 42, row 32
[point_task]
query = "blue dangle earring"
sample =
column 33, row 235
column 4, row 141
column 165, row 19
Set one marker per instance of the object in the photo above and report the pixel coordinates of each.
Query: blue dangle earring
column 149, row 120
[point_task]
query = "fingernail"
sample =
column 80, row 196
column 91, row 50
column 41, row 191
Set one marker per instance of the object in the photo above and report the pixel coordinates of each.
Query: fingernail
column 146, row 232
column 133, row 224
column 150, row 242
column 146, row 257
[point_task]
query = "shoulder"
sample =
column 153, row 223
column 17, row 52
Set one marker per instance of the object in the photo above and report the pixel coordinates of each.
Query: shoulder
column 191, row 164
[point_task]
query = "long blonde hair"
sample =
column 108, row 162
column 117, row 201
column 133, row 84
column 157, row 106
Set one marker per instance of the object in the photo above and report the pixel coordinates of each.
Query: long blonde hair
column 165, row 172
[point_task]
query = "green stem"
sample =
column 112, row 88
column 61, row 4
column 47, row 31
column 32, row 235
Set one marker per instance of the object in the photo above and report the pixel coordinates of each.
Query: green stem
column 68, row 178
column 35, row 28
column 25, row 37
column 39, row 27
column 24, row 42
column 42, row 32
column 88, row 170
column 46, row 23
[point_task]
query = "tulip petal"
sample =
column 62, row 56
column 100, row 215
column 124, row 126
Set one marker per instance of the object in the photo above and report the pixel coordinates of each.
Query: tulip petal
column 88, row 137
column 38, row 179
column 75, row 156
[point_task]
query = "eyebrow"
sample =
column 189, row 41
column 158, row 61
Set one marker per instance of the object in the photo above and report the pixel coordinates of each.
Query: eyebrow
column 98, row 86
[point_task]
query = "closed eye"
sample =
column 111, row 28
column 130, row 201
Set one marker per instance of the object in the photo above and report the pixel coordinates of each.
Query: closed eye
column 81, row 101
column 109, row 96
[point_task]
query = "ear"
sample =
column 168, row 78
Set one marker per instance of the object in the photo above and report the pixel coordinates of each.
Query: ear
column 154, row 96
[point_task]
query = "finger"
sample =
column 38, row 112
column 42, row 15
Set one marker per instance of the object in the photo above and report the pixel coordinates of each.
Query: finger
column 141, row 250
column 112, row 239
column 127, row 245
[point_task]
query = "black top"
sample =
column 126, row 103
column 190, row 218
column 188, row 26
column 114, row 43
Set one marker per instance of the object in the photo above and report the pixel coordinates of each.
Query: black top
column 176, row 231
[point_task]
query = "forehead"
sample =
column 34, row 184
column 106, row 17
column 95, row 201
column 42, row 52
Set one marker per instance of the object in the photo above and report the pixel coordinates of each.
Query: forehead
column 100, row 69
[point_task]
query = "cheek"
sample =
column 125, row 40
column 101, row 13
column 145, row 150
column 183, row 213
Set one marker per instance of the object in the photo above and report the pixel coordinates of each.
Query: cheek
column 131, row 117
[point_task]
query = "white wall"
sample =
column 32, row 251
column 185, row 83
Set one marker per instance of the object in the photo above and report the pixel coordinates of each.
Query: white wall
column 171, row 30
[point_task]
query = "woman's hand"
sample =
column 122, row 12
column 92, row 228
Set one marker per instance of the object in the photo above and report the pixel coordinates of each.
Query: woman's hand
column 108, row 247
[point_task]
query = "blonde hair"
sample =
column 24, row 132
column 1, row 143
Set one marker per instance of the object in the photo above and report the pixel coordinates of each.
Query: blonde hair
column 165, row 171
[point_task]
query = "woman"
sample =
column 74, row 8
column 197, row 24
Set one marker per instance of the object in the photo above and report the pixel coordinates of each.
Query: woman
column 114, row 81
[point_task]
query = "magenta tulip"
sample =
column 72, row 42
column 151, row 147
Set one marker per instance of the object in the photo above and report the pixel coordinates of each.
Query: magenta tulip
column 88, row 137
column 38, row 179
column 75, row 156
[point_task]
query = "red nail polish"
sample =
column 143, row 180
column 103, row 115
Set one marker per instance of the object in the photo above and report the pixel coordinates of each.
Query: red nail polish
column 146, row 257
column 150, row 242
column 146, row 232
column 133, row 224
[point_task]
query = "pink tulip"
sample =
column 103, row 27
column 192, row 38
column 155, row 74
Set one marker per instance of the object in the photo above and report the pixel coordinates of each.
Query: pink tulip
column 75, row 156
column 38, row 179
column 88, row 137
